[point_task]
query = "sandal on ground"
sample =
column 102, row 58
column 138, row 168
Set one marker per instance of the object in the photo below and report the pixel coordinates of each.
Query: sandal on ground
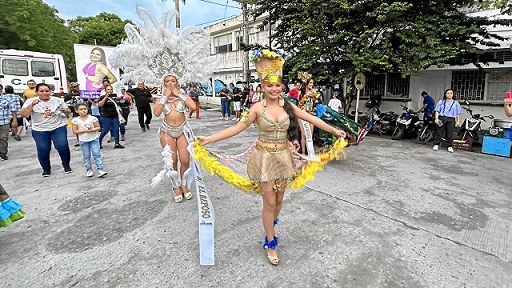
column 188, row 195
column 274, row 260
column 178, row 198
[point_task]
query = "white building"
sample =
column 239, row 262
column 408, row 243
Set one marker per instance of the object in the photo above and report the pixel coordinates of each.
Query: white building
column 225, row 45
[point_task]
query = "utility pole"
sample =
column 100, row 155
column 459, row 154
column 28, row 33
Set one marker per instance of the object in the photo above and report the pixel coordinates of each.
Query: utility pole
column 246, row 71
column 245, row 28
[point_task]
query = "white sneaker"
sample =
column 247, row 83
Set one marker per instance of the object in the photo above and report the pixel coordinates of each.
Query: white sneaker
column 237, row 119
column 450, row 149
column 89, row 173
column 101, row 173
column 222, row 118
column 233, row 119
column 435, row 148
column 227, row 118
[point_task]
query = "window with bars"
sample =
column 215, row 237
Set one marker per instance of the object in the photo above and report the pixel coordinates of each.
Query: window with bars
column 388, row 85
column 468, row 84
column 498, row 82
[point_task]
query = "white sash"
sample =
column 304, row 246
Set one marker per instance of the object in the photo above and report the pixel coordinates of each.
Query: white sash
column 204, row 206
column 309, row 139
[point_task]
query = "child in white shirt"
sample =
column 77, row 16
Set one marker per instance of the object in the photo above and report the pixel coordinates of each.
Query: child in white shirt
column 87, row 128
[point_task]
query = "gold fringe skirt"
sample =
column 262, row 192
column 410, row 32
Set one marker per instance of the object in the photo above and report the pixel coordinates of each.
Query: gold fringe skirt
column 267, row 164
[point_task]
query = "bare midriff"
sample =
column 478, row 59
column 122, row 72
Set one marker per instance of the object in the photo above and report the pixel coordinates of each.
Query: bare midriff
column 174, row 118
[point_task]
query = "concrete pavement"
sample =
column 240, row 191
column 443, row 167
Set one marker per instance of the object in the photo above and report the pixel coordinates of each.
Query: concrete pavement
column 393, row 214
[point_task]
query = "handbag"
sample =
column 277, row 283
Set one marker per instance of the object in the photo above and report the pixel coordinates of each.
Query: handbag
column 119, row 113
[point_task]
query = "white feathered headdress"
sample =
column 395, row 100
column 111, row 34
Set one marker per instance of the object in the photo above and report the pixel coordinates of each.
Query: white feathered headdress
column 152, row 51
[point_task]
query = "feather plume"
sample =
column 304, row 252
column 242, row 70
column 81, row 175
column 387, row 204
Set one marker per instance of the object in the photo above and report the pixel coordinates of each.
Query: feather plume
column 152, row 51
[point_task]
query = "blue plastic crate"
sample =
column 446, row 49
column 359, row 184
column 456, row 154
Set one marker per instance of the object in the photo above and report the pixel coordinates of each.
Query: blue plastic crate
column 496, row 146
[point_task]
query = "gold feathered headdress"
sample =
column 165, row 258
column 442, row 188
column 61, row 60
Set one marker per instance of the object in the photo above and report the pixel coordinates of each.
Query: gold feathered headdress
column 269, row 64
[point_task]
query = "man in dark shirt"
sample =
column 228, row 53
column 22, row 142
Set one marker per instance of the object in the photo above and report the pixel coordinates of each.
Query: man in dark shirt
column 428, row 106
column 245, row 95
column 224, row 101
column 142, row 98
column 109, row 119
column 73, row 97
column 236, row 97
column 375, row 99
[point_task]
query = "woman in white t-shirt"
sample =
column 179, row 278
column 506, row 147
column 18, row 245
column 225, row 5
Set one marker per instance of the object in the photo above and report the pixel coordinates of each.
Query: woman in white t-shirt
column 87, row 128
column 49, row 123
column 335, row 103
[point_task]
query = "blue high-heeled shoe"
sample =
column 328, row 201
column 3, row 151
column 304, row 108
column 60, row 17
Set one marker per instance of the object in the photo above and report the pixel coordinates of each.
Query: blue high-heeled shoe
column 274, row 260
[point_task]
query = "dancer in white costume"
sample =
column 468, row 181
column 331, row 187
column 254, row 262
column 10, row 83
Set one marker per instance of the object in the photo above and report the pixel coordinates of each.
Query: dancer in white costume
column 154, row 53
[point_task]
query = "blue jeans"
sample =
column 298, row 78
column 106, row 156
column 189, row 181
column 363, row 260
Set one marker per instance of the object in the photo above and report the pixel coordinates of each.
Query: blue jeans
column 122, row 128
column 44, row 140
column 109, row 124
column 225, row 107
column 88, row 148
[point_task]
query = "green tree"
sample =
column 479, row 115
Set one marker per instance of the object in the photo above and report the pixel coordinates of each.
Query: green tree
column 105, row 29
column 34, row 25
column 334, row 39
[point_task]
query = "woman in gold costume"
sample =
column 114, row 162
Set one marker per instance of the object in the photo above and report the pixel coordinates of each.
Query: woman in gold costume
column 271, row 166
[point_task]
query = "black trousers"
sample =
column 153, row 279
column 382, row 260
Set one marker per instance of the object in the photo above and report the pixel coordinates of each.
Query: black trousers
column 144, row 111
column 126, row 112
column 445, row 131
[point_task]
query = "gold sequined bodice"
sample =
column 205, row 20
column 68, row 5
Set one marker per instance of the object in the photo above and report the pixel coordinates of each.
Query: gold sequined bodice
column 271, row 131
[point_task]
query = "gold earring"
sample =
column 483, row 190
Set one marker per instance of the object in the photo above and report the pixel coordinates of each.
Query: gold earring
column 281, row 101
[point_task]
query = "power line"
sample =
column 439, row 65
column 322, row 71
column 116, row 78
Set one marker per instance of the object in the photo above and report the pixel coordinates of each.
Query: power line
column 225, row 5
column 216, row 20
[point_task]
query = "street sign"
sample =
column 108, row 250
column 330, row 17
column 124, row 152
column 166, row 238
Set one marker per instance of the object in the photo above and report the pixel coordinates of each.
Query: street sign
column 360, row 81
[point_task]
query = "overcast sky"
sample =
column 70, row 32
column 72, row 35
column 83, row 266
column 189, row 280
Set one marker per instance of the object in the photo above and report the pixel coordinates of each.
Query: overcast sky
column 193, row 13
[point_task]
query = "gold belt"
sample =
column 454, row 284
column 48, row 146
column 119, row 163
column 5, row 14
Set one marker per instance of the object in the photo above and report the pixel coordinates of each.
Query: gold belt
column 270, row 149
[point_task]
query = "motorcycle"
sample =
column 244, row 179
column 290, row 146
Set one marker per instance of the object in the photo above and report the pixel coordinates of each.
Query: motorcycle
column 383, row 123
column 471, row 126
column 407, row 124
column 428, row 132
column 362, row 118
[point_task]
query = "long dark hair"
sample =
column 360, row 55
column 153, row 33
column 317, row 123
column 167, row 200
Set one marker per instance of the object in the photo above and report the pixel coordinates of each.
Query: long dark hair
column 304, row 85
column 294, row 124
column 449, row 89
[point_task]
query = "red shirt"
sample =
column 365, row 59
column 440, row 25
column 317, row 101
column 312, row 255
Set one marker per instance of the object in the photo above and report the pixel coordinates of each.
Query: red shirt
column 294, row 93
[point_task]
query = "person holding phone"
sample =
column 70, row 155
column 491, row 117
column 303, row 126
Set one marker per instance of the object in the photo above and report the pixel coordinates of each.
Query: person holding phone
column 109, row 119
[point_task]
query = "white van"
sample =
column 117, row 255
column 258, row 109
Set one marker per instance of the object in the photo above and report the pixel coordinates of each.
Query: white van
column 17, row 67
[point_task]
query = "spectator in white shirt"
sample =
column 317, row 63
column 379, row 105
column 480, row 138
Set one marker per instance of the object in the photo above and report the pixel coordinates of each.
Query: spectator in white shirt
column 335, row 103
